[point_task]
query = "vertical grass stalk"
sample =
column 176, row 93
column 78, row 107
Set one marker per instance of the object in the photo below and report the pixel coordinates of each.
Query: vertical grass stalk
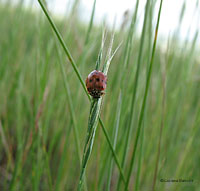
column 139, row 161
column 91, row 23
column 145, row 98
column 135, row 85
column 115, row 133
column 94, row 113
column 92, row 125
column 125, row 62
column 161, row 126
column 71, row 109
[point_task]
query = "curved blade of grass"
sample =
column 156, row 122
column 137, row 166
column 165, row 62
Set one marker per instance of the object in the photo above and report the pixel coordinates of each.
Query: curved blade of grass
column 81, row 81
column 111, row 57
column 64, row 47
column 144, row 99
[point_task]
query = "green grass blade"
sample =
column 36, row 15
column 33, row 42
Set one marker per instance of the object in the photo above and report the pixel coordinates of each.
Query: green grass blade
column 91, row 23
column 72, row 112
column 64, row 46
column 92, row 125
column 139, row 161
column 128, row 46
column 135, row 85
column 161, row 126
column 113, row 151
column 125, row 61
column 145, row 98
column 98, row 62
column 71, row 109
column 6, row 147
column 115, row 133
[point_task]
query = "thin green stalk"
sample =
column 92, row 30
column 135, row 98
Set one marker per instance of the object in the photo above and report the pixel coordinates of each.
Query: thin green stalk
column 94, row 114
column 136, row 82
column 145, row 98
column 161, row 126
column 63, row 159
column 84, row 53
column 139, row 161
column 64, row 47
column 69, row 98
column 150, row 23
column 98, row 62
column 37, row 163
column 74, row 8
column 105, row 70
column 71, row 109
column 115, row 133
column 18, row 162
column 125, row 61
column 80, row 79
column 137, row 75
column 92, row 125
column 91, row 23
column 112, row 150
column 16, row 178
column 188, row 145
column 6, row 147
column 130, row 36
column 185, row 155
column 47, row 164
column 41, row 143
column 128, row 135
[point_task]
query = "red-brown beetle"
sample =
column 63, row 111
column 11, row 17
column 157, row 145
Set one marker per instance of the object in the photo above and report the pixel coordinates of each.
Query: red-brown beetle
column 96, row 83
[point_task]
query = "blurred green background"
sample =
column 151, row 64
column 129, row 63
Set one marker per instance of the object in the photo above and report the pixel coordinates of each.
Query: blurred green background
column 37, row 143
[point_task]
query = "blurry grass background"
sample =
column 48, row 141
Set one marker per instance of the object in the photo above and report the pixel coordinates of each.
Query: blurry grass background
column 38, row 149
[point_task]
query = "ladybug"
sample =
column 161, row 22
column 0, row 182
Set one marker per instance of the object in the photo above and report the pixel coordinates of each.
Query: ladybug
column 96, row 83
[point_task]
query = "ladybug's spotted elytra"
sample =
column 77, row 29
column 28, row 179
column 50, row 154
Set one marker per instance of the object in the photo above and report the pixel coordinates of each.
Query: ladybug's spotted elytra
column 96, row 83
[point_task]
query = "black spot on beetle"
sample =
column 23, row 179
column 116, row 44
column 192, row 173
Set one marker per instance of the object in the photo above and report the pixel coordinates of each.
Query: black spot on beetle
column 97, row 79
column 90, row 80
